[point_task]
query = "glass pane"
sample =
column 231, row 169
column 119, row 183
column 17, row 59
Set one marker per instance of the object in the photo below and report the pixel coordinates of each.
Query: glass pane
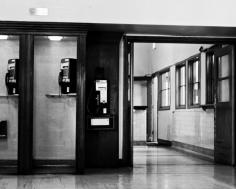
column 168, row 94
column 165, row 98
column 223, row 66
column 9, row 70
column 196, row 93
column 195, row 71
column 224, row 91
column 165, row 80
column 177, row 85
column 182, row 95
column 182, row 75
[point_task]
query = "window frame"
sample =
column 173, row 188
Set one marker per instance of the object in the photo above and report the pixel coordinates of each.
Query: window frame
column 190, row 62
column 211, row 81
column 210, row 77
column 160, row 89
column 178, row 66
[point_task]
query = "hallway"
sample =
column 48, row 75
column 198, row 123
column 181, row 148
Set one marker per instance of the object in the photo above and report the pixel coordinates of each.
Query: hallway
column 154, row 167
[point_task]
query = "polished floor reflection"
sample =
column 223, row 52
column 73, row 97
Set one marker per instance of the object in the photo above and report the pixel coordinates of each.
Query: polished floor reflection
column 154, row 167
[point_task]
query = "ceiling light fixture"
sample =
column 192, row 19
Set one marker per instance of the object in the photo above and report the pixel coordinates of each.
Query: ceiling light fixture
column 55, row 38
column 154, row 46
column 38, row 11
column 3, row 36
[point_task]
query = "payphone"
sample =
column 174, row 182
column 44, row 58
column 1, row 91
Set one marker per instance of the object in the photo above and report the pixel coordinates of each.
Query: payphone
column 98, row 103
column 98, row 94
column 3, row 129
column 101, row 96
column 67, row 75
column 12, row 76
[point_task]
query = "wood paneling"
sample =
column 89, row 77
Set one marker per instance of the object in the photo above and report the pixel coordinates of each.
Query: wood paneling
column 80, row 104
column 149, row 111
column 101, row 146
column 25, row 130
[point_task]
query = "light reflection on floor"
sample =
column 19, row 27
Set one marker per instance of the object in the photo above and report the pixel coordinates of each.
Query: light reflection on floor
column 159, row 168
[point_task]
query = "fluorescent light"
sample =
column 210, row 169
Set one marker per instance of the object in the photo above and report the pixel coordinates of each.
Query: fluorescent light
column 55, row 38
column 154, row 46
column 39, row 11
column 3, row 36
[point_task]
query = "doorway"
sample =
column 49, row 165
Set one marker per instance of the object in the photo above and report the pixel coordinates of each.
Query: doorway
column 54, row 114
column 183, row 89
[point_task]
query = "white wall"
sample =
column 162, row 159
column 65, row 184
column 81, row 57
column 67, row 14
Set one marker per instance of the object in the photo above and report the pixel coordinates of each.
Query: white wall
column 54, row 118
column 140, row 93
column 191, row 126
column 157, row 12
column 142, row 67
column 142, row 59
column 167, row 54
column 140, row 125
column 9, row 49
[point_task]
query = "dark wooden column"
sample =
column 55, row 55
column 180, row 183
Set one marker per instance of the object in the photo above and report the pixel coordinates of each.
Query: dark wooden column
column 25, row 128
column 127, row 119
column 149, row 111
column 80, row 105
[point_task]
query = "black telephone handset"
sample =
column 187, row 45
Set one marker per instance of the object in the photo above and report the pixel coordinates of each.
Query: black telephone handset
column 7, row 81
column 11, row 77
column 67, row 75
column 60, row 78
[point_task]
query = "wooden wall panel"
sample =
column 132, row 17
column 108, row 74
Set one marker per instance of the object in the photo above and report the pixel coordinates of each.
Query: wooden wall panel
column 80, row 105
column 25, row 130
column 103, row 51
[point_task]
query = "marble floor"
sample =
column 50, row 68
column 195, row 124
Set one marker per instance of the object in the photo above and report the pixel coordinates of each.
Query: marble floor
column 154, row 167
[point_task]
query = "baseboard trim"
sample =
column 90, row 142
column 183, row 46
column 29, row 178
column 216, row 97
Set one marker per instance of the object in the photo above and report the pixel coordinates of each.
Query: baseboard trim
column 162, row 142
column 53, row 162
column 139, row 143
column 7, row 163
column 203, row 153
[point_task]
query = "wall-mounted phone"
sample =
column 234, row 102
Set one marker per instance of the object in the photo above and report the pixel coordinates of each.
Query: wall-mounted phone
column 99, row 117
column 67, row 75
column 12, row 76
column 101, row 95
column 3, row 129
column 97, row 103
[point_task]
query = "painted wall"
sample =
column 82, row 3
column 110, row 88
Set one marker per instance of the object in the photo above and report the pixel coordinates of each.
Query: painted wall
column 8, row 105
column 54, row 118
column 142, row 59
column 191, row 126
column 140, row 125
column 142, row 67
column 140, row 93
column 157, row 12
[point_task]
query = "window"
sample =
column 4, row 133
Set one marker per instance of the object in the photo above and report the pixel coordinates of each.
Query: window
column 194, row 82
column 210, row 77
column 181, row 85
column 223, row 78
column 164, row 90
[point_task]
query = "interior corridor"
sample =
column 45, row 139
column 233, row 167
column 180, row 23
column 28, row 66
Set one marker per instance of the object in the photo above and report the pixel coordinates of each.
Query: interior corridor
column 154, row 167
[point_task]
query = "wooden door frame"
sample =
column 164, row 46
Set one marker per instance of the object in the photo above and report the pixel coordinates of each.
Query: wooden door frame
column 231, row 78
column 127, row 133
column 26, row 32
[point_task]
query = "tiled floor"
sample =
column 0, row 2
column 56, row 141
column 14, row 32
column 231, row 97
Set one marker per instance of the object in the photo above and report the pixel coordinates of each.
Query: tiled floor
column 159, row 168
